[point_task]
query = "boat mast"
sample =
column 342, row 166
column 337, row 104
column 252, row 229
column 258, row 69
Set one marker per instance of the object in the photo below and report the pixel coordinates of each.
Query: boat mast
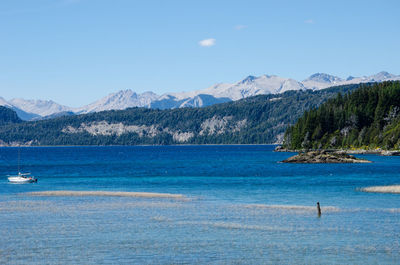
column 19, row 158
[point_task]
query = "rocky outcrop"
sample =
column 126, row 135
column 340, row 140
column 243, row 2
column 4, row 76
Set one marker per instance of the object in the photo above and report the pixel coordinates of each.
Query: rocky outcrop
column 320, row 157
column 219, row 125
column 280, row 148
column 390, row 153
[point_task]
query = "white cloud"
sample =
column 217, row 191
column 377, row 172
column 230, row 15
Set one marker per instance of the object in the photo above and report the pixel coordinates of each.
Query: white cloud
column 240, row 27
column 309, row 21
column 207, row 42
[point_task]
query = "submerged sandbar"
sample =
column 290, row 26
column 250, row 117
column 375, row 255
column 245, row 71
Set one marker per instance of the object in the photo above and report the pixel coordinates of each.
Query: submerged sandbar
column 383, row 189
column 105, row 193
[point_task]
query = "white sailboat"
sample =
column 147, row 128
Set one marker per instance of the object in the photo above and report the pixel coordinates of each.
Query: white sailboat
column 21, row 177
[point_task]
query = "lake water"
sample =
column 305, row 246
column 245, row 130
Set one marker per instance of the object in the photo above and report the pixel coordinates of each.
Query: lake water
column 239, row 206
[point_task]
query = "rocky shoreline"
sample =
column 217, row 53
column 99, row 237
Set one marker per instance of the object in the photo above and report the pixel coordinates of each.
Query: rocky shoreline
column 378, row 151
column 323, row 157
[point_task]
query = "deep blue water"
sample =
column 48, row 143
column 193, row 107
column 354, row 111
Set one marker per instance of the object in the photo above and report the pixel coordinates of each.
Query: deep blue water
column 241, row 206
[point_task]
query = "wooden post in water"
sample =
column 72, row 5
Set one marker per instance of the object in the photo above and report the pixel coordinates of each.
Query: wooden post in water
column 319, row 209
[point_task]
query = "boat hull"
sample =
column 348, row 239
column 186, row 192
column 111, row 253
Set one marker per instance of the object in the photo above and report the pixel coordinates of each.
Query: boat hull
column 18, row 179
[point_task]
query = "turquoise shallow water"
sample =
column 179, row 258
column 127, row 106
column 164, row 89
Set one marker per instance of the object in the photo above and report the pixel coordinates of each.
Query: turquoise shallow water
column 240, row 207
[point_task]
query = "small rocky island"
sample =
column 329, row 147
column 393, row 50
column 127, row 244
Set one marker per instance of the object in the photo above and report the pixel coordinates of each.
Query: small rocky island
column 320, row 157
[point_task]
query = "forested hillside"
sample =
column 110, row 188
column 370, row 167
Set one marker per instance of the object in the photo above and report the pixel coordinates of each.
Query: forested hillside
column 8, row 116
column 367, row 118
column 256, row 120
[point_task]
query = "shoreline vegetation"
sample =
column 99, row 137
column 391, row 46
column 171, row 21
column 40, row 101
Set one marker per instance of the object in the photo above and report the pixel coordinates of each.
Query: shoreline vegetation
column 364, row 121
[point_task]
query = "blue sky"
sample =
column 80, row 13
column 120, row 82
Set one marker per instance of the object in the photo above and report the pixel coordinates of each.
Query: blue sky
column 76, row 51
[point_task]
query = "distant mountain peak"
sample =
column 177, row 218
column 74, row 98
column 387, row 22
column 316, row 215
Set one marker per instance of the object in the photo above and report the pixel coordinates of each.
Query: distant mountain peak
column 269, row 76
column 39, row 106
column 248, row 79
column 124, row 92
column 324, row 78
column 121, row 99
column 383, row 75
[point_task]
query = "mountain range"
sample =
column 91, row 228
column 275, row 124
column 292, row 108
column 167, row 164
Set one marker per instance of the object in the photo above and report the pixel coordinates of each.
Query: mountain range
column 218, row 93
column 260, row 119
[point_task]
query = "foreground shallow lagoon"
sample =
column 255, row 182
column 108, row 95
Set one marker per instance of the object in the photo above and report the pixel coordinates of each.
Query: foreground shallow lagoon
column 238, row 205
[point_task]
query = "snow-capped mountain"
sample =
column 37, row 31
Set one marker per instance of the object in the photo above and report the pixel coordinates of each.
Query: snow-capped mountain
column 21, row 113
column 324, row 78
column 40, row 107
column 218, row 93
column 383, row 76
column 321, row 80
column 4, row 103
column 251, row 86
column 121, row 100
column 265, row 84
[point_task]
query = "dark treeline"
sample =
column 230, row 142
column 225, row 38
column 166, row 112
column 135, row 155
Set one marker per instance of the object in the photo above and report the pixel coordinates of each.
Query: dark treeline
column 264, row 117
column 368, row 118
column 8, row 116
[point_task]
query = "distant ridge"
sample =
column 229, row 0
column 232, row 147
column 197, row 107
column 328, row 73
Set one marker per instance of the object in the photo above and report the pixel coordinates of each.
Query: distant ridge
column 218, row 93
